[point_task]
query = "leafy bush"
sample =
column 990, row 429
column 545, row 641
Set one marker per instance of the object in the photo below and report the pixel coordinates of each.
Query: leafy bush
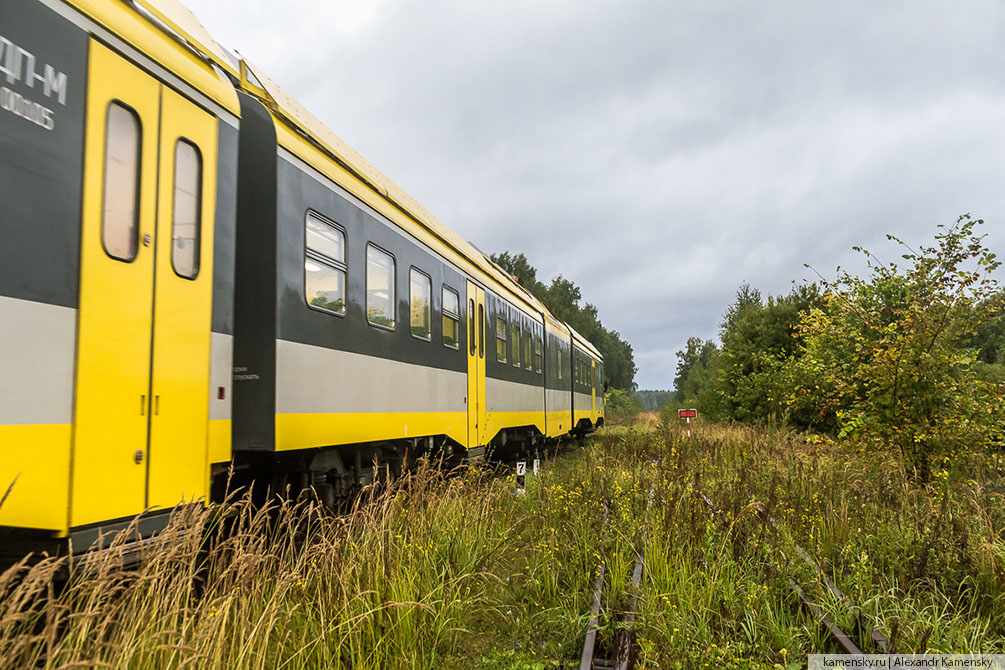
column 886, row 359
column 620, row 406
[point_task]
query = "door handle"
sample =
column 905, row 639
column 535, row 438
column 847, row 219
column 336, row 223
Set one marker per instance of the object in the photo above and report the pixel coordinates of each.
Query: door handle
column 157, row 405
column 143, row 405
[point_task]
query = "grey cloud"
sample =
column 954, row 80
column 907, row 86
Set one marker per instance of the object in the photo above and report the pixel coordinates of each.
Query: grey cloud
column 660, row 153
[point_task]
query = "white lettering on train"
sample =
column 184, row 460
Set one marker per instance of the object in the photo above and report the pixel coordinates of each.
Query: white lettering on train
column 26, row 109
column 20, row 66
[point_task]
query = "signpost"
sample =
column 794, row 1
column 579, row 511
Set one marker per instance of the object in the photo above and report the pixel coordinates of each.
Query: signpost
column 521, row 477
column 688, row 414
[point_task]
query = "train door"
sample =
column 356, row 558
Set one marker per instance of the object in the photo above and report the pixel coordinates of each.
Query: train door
column 476, row 365
column 141, row 405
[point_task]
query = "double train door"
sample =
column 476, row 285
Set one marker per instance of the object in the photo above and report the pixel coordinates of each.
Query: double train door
column 142, row 386
column 476, row 366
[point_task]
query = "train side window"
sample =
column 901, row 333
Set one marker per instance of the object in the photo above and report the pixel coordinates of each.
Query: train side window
column 186, row 226
column 379, row 287
column 324, row 264
column 500, row 339
column 420, row 298
column 558, row 360
column 120, row 203
column 537, row 354
column 528, row 362
column 451, row 308
column 515, row 348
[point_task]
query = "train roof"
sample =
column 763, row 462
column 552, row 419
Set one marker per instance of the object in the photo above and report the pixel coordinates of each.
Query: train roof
column 585, row 343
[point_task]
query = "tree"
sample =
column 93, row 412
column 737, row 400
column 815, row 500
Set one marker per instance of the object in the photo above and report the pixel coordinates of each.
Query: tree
column 886, row 356
column 758, row 344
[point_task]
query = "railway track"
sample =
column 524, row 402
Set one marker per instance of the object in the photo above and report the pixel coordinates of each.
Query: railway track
column 622, row 649
column 878, row 638
column 617, row 651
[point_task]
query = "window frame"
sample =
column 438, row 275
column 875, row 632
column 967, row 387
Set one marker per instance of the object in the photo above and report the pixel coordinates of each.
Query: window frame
column 515, row 342
column 115, row 102
column 197, row 261
column 394, row 288
column 316, row 256
column 528, row 350
column 538, row 354
column 455, row 317
column 429, row 303
column 501, row 332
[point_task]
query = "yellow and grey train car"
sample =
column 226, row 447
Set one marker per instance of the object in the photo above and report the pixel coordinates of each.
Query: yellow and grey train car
column 118, row 145
column 197, row 274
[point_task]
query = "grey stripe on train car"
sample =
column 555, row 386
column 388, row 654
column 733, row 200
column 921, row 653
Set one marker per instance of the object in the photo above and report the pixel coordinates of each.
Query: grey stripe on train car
column 584, row 403
column 559, row 400
column 221, row 355
column 37, row 348
column 507, row 396
column 312, row 379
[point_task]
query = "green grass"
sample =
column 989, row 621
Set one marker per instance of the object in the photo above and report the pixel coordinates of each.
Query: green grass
column 461, row 572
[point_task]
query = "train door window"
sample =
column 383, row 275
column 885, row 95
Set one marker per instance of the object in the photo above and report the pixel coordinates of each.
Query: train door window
column 528, row 356
column 379, row 287
column 324, row 264
column 537, row 354
column 451, row 309
column 500, row 339
column 420, row 289
column 120, row 204
column 472, row 337
column 515, row 345
column 186, row 226
column 481, row 331
column 558, row 360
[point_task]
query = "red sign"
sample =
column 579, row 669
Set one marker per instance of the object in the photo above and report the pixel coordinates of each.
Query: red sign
column 687, row 413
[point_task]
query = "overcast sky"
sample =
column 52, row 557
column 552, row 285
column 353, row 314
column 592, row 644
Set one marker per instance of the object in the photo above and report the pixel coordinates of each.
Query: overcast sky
column 658, row 153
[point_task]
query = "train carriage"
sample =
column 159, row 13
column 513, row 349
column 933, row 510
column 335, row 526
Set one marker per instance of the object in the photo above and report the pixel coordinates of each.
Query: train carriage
column 199, row 277
column 119, row 144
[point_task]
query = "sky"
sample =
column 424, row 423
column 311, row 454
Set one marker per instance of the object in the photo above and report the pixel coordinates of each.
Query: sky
column 659, row 153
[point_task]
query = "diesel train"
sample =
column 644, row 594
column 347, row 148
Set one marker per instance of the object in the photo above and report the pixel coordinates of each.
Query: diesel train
column 198, row 278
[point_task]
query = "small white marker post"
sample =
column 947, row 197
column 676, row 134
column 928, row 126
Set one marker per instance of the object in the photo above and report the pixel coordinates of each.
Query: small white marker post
column 521, row 477
column 537, row 466
column 688, row 414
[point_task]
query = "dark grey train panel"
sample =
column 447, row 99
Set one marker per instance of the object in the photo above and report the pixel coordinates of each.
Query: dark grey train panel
column 254, row 415
column 301, row 192
column 43, row 77
column 224, row 230
column 499, row 307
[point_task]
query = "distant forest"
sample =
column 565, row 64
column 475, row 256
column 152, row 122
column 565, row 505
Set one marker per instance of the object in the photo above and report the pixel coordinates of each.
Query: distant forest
column 652, row 401
column 563, row 298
